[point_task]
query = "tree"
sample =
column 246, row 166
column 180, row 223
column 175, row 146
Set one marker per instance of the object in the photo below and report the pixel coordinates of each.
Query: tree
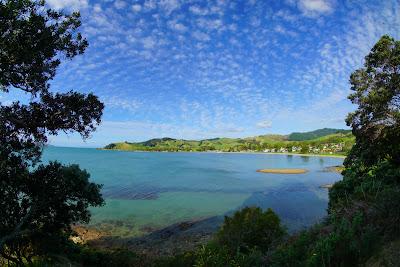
column 372, row 166
column 304, row 149
column 376, row 121
column 40, row 202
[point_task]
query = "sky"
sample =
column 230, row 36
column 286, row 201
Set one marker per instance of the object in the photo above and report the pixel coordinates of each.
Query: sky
column 204, row 69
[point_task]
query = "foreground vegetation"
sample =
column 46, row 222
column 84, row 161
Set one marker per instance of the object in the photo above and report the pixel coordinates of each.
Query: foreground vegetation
column 40, row 202
column 328, row 141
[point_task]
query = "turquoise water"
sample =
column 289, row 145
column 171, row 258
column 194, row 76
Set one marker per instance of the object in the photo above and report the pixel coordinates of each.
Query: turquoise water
column 147, row 191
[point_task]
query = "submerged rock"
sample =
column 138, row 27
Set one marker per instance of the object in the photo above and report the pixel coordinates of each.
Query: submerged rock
column 179, row 237
column 337, row 169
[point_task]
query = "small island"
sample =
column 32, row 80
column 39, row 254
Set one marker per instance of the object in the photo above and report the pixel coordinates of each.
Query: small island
column 283, row 171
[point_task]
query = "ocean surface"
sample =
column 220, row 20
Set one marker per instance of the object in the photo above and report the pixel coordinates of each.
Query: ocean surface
column 146, row 191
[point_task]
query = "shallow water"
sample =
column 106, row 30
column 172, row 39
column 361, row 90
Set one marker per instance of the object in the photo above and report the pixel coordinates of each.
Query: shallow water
column 147, row 191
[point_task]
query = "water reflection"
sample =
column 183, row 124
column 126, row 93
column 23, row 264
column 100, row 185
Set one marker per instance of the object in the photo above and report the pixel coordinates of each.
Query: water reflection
column 298, row 205
column 305, row 159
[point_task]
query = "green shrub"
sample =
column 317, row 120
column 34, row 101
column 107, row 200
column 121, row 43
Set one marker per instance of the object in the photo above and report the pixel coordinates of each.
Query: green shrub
column 350, row 243
column 90, row 257
column 214, row 255
column 296, row 250
column 251, row 228
column 180, row 260
column 338, row 242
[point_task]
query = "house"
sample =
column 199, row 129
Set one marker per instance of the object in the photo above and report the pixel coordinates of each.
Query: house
column 296, row 149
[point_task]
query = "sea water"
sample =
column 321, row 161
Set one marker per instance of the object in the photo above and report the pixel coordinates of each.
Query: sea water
column 145, row 191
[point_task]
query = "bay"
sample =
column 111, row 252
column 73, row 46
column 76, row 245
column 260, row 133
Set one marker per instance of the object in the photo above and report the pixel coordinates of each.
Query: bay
column 145, row 191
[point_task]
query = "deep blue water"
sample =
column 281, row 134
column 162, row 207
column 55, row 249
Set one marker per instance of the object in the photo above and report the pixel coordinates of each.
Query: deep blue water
column 152, row 190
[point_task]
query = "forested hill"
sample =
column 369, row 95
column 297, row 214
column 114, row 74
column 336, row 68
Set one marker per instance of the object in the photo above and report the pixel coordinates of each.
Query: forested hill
column 326, row 141
column 315, row 134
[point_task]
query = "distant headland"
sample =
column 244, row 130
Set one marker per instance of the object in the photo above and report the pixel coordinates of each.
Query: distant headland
column 325, row 141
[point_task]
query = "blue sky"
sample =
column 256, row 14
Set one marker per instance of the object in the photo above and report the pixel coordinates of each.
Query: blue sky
column 202, row 69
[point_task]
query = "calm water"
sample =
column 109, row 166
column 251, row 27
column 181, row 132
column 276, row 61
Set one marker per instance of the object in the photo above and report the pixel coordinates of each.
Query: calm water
column 146, row 191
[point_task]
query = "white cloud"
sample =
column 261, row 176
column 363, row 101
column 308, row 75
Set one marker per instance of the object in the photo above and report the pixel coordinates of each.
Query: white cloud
column 315, row 7
column 119, row 4
column 201, row 36
column 223, row 130
column 136, row 7
column 197, row 10
column 232, row 27
column 279, row 29
column 150, row 4
column 131, row 105
column 144, row 130
column 264, row 124
column 177, row 26
column 97, row 8
column 169, row 5
column 286, row 15
column 68, row 4
column 148, row 42
column 210, row 24
column 255, row 21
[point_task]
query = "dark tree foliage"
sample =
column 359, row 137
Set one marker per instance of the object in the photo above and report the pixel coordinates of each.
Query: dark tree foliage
column 40, row 202
column 32, row 38
column 374, row 160
column 371, row 179
column 376, row 121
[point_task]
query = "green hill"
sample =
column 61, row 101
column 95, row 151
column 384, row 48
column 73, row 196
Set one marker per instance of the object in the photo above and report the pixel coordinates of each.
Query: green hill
column 297, row 136
column 325, row 142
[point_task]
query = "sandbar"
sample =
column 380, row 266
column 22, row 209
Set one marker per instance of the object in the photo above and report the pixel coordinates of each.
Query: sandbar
column 283, row 171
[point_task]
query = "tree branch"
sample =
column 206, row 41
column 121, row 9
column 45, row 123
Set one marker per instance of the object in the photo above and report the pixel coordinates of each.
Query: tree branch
column 17, row 231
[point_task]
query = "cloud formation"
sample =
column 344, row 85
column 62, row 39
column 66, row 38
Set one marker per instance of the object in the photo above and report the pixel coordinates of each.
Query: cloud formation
column 221, row 68
column 68, row 4
column 264, row 124
column 315, row 7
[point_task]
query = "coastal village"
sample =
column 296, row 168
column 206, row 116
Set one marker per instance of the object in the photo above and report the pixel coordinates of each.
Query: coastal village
column 328, row 148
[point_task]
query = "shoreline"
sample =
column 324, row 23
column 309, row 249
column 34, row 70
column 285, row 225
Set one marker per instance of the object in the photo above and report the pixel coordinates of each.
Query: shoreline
column 240, row 152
